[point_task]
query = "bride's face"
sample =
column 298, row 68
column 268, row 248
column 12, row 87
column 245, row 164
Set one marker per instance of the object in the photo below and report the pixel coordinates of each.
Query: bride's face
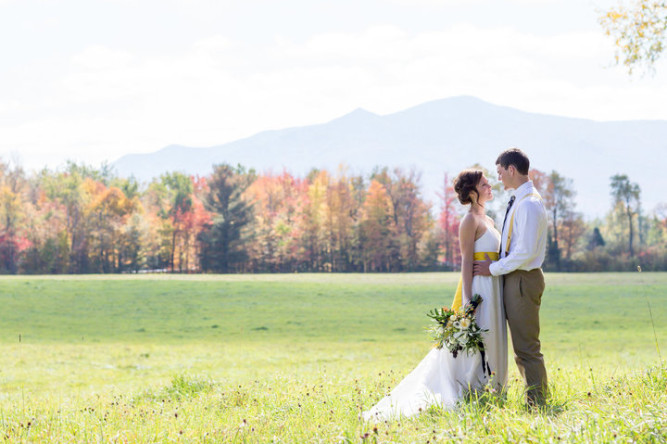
column 484, row 190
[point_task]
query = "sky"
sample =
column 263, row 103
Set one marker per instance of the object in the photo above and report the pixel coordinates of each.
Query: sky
column 92, row 80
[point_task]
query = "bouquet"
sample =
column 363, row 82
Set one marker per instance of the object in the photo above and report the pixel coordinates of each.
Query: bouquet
column 458, row 331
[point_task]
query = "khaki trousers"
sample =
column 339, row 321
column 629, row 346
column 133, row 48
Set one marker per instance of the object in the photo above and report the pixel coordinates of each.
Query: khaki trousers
column 522, row 295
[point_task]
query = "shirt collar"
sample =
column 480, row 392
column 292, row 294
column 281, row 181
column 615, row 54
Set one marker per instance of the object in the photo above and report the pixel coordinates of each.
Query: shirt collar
column 523, row 190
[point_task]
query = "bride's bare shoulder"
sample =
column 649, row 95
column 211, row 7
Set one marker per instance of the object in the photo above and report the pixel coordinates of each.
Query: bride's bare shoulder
column 472, row 225
column 469, row 219
column 469, row 222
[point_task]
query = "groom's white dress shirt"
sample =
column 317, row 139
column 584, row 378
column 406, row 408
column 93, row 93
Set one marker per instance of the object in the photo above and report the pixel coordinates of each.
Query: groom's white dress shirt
column 529, row 234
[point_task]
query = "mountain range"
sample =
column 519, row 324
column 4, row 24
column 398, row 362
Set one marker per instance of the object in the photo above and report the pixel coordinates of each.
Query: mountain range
column 441, row 136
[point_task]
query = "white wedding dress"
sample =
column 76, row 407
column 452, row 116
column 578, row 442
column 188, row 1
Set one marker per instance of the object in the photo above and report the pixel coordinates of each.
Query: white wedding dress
column 440, row 379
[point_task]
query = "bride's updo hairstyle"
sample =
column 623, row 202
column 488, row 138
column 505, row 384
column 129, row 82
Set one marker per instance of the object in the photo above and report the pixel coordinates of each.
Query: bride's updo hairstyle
column 466, row 183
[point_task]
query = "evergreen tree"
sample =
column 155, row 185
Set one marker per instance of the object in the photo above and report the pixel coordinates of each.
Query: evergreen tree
column 222, row 242
column 596, row 239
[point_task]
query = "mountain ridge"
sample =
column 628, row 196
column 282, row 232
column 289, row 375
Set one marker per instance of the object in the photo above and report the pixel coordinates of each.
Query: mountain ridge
column 444, row 135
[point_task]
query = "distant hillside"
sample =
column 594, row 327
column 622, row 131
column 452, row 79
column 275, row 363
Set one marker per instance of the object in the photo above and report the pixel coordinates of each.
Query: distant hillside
column 439, row 136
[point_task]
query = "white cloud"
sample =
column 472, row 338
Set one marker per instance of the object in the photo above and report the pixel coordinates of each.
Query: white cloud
column 99, row 58
column 376, row 43
column 110, row 101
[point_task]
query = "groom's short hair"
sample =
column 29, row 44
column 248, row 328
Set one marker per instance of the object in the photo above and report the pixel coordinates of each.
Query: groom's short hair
column 516, row 157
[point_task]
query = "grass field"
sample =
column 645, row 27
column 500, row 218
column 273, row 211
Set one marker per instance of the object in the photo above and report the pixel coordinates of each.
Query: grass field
column 295, row 358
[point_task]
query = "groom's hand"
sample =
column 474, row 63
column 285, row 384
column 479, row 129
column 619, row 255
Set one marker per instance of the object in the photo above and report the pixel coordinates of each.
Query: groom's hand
column 481, row 268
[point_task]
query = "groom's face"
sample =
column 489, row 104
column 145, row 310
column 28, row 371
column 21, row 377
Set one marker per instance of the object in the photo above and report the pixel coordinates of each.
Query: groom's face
column 504, row 175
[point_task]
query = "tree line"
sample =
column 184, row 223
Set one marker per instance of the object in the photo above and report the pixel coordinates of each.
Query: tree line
column 81, row 219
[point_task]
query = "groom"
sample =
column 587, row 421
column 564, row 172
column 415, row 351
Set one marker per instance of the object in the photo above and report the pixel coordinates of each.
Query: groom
column 522, row 250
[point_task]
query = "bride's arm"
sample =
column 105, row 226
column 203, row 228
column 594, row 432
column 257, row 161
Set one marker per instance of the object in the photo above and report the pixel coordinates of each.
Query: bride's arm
column 467, row 231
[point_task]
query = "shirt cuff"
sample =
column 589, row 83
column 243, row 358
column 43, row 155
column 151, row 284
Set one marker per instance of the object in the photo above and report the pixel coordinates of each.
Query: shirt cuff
column 494, row 269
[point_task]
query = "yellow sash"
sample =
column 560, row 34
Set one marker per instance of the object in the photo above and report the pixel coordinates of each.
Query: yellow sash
column 509, row 231
column 479, row 256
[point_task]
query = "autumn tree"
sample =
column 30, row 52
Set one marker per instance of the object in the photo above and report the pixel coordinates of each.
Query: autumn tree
column 133, row 231
column 572, row 228
column 109, row 212
column 558, row 197
column 330, row 218
column 180, row 190
column 188, row 217
column 177, row 215
column 660, row 223
column 67, row 188
column 133, row 239
column 344, row 207
column 540, row 180
column 12, row 215
column 448, row 223
column 157, row 201
column 46, row 230
column 377, row 229
column 410, row 215
column 317, row 223
column 278, row 202
column 358, row 187
column 626, row 199
column 639, row 31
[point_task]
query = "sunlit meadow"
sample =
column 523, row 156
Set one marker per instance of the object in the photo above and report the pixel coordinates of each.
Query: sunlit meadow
column 296, row 358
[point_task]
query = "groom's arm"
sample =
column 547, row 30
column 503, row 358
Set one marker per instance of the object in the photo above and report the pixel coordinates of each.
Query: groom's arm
column 529, row 226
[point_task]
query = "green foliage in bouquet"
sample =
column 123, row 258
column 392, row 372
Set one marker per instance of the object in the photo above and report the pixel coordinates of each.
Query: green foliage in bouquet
column 458, row 331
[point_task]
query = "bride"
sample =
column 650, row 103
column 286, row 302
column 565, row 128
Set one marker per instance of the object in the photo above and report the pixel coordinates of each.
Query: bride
column 440, row 378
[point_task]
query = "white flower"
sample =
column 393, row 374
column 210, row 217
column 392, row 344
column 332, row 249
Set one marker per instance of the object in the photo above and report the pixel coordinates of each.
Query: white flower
column 465, row 323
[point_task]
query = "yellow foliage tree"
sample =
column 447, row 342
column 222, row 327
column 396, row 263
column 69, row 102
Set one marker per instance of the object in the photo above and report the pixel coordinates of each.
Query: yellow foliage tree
column 639, row 31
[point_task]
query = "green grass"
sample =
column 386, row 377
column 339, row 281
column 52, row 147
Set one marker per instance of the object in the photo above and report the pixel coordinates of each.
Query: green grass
column 189, row 358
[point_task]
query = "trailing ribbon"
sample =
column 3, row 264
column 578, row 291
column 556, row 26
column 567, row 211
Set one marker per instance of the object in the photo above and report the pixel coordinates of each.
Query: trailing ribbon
column 485, row 363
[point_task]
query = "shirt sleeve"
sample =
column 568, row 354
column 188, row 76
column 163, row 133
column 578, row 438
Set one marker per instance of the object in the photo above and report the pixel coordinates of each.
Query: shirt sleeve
column 527, row 221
